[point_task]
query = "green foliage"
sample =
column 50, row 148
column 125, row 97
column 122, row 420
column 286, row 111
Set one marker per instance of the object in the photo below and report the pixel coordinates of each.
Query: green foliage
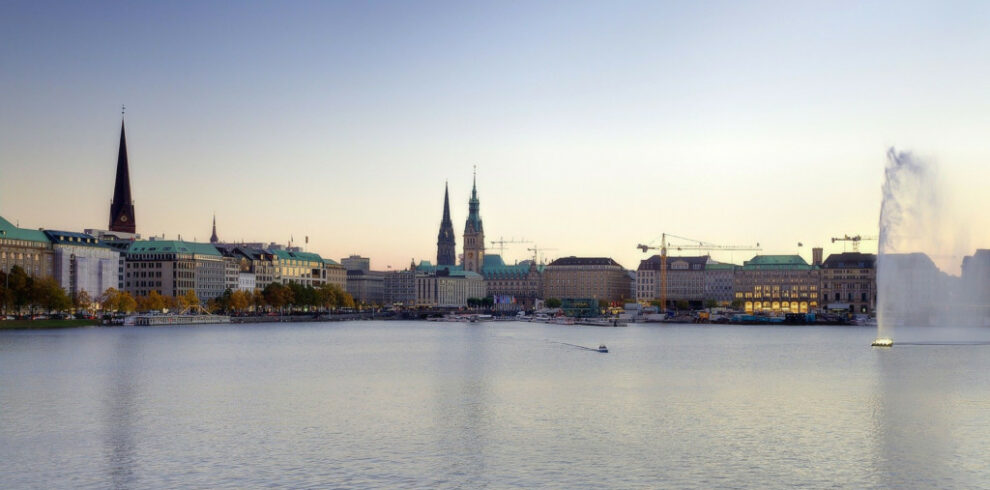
column 711, row 303
column 552, row 303
column 682, row 304
column 737, row 304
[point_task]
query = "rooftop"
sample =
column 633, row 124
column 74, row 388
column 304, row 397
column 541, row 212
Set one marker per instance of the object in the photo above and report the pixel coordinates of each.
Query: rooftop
column 11, row 232
column 584, row 261
column 777, row 262
column 172, row 246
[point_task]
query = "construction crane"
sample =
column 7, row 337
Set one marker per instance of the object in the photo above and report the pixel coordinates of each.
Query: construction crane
column 691, row 245
column 501, row 242
column 854, row 239
column 536, row 250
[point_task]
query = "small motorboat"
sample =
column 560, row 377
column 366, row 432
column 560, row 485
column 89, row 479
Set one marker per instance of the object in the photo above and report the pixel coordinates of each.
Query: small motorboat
column 602, row 348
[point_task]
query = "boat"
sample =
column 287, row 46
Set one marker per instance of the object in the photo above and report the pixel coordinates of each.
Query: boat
column 883, row 342
column 602, row 348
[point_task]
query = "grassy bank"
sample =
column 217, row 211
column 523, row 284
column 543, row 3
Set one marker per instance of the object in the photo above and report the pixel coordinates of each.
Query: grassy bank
column 23, row 324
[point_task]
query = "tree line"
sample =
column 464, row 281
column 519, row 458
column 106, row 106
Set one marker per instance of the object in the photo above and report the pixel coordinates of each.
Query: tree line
column 20, row 292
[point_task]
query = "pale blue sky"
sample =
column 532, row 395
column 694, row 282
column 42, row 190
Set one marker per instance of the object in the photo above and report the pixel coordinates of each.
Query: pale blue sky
column 594, row 125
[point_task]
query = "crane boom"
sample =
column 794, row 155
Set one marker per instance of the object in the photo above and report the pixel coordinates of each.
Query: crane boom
column 693, row 245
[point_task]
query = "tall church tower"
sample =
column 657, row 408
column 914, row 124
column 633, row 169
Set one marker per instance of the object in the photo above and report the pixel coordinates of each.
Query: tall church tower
column 474, row 233
column 214, row 238
column 446, row 245
column 122, row 207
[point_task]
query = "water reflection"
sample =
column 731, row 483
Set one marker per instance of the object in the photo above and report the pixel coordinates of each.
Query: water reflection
column 919, row 416
column 462, row 396
column 118, row 415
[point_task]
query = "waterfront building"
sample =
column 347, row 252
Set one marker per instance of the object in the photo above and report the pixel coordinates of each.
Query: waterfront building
column 172, row 268
column 446, row 288
column 366, row 286
column 335, row 274
column 29, row 249
column 719, row 282
column 246, row 281
column 919, row 292
column 976, row 287
column 446, row 244
column 356, row 263
column 685, row 280
column 512, row 287
column 849, row 282
column 777, row 284
column 122, row 206
column 474, row 234
column 118, row 241
column 83, row 263
column 400, row 287
column 600, row 278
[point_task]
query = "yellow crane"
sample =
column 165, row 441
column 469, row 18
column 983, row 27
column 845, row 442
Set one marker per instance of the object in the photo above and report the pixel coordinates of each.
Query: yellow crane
column 691, row 244
column 854, row 239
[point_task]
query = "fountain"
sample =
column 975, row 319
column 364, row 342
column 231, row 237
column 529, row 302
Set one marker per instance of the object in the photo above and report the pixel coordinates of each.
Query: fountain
column 921, row 239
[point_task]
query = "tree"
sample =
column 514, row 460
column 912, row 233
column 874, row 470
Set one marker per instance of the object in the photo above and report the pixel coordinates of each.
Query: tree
column 47, row 294
column 552, row 303
column 737, row 304
column 126, row 302
column 154, row 301
column 682, row 304
column 239, row 300
column 110, row 300
column 171, row 303
column 277, row 295
column 259, row 299
column 711, row 303
column 82, row 301
column 20, row 288
column 189, row 299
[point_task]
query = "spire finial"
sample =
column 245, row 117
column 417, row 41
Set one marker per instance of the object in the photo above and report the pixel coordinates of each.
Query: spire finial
column 123, row 108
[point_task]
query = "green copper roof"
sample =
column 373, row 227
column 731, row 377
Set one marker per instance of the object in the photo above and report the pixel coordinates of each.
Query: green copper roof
column 718, row 266
column 11, row 232
column 172, row 246
column 777, row 262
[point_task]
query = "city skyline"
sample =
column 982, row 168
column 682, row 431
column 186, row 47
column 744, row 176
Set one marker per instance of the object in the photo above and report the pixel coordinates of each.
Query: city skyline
column 589, row 141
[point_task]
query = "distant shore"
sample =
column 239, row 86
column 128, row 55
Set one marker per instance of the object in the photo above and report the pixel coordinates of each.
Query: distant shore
column 35, row 324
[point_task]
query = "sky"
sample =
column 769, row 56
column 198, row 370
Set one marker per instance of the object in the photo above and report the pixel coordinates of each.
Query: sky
column 594, row 126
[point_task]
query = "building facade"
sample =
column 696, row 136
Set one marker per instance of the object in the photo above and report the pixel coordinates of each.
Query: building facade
column 366, row 287
column 520, row 284
column 356, row 263
column 849, row 281
column 31, row 250
column 447, row 288
column 719, row 282
column 83, row 263
column 600, row 278
column 685, row 280
column 172, row 268
column 400, row 287
column 777, row 284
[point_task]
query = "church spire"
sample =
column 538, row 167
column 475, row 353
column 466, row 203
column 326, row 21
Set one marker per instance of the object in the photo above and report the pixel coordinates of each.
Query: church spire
column 122, row 207
column 474, row 232
column 446, row 246
column 213, row 237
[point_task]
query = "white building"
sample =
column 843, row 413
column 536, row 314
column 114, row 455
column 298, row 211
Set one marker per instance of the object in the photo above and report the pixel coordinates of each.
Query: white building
column 246, row 281
column 82, row 263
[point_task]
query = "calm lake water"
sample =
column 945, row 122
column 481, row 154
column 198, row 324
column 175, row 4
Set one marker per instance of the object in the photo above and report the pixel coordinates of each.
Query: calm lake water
column 419, row 404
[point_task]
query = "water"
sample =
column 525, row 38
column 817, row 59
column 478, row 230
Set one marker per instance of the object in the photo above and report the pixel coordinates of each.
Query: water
column 418, row 404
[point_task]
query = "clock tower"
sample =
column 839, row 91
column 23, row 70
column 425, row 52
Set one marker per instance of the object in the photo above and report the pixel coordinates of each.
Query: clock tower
column 474, row 233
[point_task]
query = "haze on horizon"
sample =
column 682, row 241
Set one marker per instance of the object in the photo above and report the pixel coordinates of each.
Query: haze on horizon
column 594, row 125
